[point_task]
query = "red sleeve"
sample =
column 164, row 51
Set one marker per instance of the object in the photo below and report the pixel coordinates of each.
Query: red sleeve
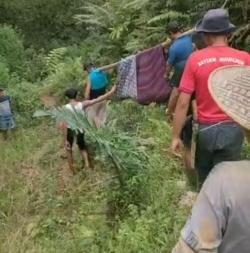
column 248, row 60
column 187, row 84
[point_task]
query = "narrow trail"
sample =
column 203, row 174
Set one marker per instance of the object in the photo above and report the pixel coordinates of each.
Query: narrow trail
column 55, row 211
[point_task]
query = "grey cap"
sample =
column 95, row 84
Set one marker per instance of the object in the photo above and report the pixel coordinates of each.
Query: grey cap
column 215, row 21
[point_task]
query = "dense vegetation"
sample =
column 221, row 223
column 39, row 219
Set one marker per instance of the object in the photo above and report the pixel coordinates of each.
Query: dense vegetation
column 129, row 206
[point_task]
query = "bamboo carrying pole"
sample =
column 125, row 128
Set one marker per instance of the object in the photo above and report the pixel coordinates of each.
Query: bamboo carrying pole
column 165, row 44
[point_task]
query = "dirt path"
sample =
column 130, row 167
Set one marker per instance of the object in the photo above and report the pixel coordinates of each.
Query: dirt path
column 49, row 101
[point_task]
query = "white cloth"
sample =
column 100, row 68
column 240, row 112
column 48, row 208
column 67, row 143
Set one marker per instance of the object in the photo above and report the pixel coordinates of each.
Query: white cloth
column 76, row 106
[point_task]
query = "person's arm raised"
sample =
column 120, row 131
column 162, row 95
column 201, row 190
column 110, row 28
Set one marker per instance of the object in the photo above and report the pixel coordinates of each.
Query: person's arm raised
column 87, row 89
column 99, row 99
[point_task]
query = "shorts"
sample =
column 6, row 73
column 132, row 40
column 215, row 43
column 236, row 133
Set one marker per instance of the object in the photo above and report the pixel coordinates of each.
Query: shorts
column 97, row 93
column 187, row 132
column 215, row 144
column 7, row 122
column 80, row 141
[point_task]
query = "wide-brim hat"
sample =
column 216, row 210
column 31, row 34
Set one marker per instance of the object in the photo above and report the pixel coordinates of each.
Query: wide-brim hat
column 230, row 88
column 215, row 21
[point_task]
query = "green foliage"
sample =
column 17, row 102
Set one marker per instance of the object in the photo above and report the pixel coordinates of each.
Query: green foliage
column 67, row 74
column 35, row 65
column 25, row 97
column 44, row 22
column 130, row 201
column 43, row 209
column 124, row 152
column 44, row 216
column 4, row 75
column 54, row 59
column 11, row 49
column 134, row 25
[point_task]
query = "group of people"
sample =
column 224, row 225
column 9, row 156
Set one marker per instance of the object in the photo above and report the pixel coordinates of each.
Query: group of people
column 210, row 112
column 94, row 106
column 220, row 221
column 209, row 123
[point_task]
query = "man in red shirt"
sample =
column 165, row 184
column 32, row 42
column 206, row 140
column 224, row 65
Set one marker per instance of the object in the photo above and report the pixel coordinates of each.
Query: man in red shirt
column 219, row 138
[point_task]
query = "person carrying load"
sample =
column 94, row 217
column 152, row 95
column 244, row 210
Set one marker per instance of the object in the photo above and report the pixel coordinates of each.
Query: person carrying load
column 219, row 138
column 177, row 56
column 96, row 86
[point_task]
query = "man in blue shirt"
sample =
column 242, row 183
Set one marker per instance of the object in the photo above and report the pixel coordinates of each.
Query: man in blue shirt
column 178, row 54
column 96, row 87
column 97, row 82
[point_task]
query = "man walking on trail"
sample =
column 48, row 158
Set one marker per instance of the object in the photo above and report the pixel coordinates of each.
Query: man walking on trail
column 220, row 221
column 219, row 138
column 178, row 54
column 7, row 121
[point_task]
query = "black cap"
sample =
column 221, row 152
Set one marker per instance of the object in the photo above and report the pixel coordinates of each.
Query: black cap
column 71, row 93
column 88, row 66
column 174, row 27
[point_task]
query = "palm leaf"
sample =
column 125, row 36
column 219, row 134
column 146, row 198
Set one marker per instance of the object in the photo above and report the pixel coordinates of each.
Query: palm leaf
column 123, row 150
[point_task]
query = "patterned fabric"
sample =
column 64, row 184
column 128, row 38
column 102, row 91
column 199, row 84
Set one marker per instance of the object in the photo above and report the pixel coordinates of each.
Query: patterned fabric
column 127, row 87
column 6, row 117
column 151, row 83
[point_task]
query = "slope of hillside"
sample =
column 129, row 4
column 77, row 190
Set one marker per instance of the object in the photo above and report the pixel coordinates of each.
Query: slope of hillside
column 45, row 209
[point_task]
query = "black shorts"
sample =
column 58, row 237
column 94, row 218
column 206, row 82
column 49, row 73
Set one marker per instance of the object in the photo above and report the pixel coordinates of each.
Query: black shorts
column 71, row 134
column 97, row 93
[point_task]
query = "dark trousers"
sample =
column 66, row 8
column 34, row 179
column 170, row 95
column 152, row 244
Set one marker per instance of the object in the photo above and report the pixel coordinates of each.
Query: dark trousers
column 80, row 141
column 215, row 144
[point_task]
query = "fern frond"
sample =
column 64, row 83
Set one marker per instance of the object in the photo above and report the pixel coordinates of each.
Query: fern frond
column 171, row 15
column 136, row 4
column 54, row 59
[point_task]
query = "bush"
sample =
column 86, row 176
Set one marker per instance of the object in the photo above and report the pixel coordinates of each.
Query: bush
column 67, row 74
column 34, row 65
column 4, row 75
column 25, row 97
column 11, row 49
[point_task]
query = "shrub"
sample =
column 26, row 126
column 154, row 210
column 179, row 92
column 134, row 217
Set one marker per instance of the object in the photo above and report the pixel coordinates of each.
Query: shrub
column 34, row 65
column 25, row 96
column 4, row 75
column 11, row 49
column 67, row 74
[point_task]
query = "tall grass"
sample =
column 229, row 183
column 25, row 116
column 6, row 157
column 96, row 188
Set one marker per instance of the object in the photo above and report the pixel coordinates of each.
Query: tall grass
column 37, row 215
